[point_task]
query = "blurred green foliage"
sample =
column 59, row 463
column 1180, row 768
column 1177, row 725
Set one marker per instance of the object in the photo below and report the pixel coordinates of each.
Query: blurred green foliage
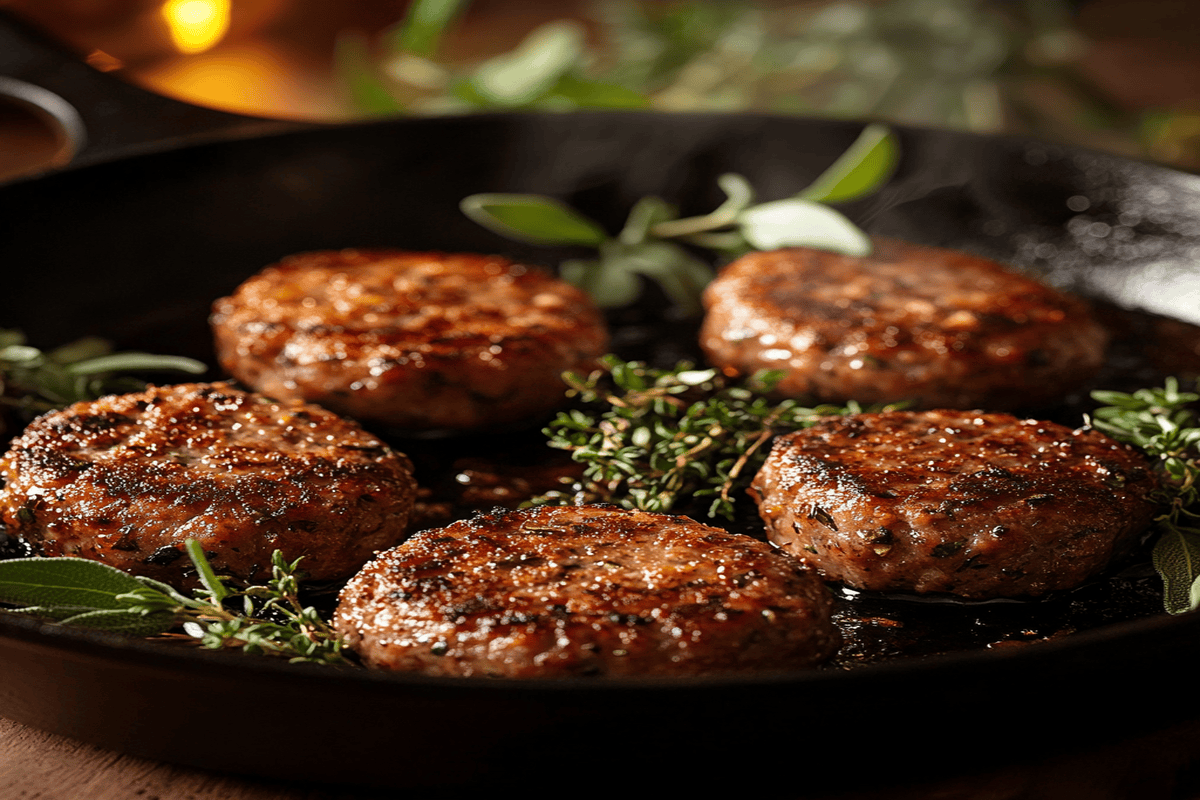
column 979, row 65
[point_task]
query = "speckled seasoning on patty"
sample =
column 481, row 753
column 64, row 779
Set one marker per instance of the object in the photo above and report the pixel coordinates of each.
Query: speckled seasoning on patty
column 411, row 341
column 127, row 479
column 977, row 505
column 585, row 590
column 942, row 328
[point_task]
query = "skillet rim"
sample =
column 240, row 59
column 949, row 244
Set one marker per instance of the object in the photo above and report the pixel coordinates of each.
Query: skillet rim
column 24, row 628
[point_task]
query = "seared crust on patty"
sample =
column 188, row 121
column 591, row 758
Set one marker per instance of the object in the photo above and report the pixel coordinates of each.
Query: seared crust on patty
column 127, row 479
column 979, row 505
column 413, row 341
column 585, row 590
column 939, row 327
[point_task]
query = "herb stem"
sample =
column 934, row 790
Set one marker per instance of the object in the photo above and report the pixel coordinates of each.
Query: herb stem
column 736, row 470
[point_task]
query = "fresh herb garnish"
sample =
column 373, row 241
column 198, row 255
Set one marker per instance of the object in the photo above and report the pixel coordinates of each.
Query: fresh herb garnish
column 33, row 381
column 655, row 241
column 270, row 619
column 655, row 438
column 1164, row 423
column 550, row 69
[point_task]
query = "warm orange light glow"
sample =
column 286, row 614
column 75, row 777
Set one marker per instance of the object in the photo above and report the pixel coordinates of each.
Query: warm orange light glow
column 196, row 25
column 250, row 78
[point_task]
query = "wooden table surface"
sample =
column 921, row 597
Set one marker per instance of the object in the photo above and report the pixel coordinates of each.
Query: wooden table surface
column 43, row 766
column 35, row 765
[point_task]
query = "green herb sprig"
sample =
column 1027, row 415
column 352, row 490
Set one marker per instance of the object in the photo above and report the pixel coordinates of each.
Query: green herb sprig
column 655, row 241
column 655, row 439
column 271, row 619
column 33, row 381
column 1165, row 424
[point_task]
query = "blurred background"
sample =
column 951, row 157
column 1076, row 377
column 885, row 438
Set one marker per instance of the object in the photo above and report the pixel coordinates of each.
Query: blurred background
column 1121, row 76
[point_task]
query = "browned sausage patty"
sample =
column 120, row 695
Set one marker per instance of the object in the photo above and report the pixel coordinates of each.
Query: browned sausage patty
column 417, row 341
column 942, row 328
column 127, row 479
column 980, row 505
column 585, row 590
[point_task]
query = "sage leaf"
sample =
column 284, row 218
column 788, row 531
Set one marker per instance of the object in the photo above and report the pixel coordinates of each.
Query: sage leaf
column 612, row 281
column 681, row 276
column 801, row 223
column 58, row 582
column 124, row 621
column 55, row 385
column 136, row 362
column 56, row 613
column 862, row 169
column 80, row 350
column 1176, row 557
column 646, row 213
column 21, row 355
column 608, row 282
column 534, row 67
column 532, row 218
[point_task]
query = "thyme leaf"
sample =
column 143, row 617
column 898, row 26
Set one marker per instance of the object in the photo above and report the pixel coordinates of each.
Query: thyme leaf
column 655, row 439
column 1165, row 424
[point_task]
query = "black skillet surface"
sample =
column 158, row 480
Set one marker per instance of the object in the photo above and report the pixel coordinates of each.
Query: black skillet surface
column 136, row 248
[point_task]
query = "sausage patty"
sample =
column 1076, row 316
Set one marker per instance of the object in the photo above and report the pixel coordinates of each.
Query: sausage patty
column 585, row 590
column 939, row 327
column 413, row 341
column 980, row 505
column 127, row 479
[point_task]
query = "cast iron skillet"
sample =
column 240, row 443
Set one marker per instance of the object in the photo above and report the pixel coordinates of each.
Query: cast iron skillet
column 136, row 247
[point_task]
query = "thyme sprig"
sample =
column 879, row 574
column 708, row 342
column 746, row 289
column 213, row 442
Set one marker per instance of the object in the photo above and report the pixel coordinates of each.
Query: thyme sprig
column 265, row 619
column 1165, row 424
column 654, row 439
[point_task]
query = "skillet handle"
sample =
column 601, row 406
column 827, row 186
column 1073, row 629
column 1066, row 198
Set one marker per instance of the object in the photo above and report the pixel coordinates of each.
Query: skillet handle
column 100, row 117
